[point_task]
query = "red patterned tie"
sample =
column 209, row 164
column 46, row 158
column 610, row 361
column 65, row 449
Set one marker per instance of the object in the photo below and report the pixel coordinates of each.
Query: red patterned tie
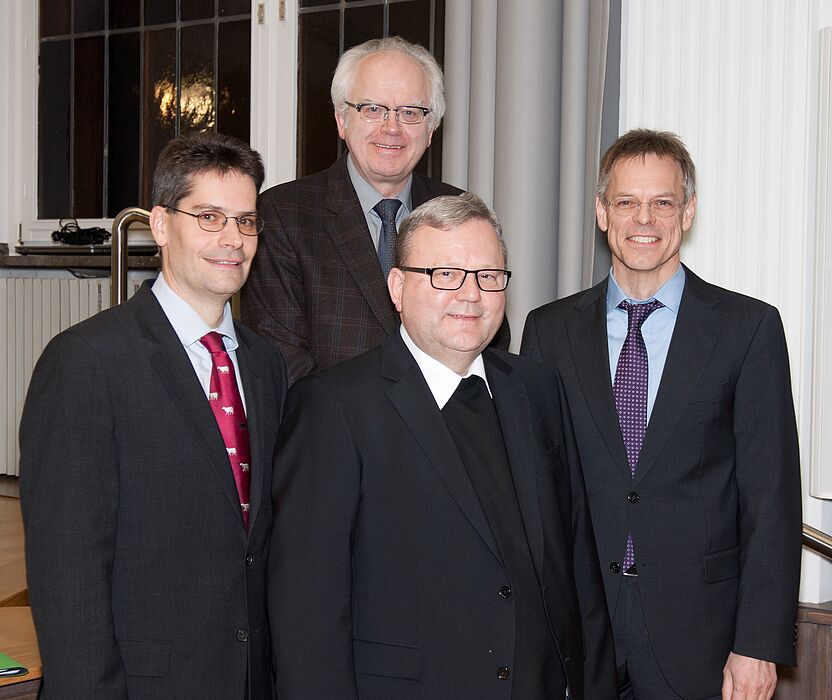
column 225, row 401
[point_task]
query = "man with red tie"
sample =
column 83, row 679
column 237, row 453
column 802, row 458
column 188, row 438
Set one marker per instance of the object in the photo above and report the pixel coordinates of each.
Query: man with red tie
column 146, row 453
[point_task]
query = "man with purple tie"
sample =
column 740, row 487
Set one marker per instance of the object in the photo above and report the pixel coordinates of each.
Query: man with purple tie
column 681, row 401
column 146, row 457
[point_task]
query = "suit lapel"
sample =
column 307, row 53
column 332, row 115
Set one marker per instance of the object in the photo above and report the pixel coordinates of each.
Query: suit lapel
column 512, row 405
column 255, row 410
column 177, row 375
column 411, row 397
column 347, row 230
column 695, row 335
column 587, row 331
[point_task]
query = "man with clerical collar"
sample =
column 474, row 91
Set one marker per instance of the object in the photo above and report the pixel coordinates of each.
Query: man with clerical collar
column 432, row 536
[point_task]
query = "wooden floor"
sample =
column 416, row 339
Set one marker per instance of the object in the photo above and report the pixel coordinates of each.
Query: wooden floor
column 9, row 486
column 12, row 563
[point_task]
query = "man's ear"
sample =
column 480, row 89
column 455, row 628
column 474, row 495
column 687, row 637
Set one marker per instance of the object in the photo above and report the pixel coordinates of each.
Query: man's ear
column 601, row 214
column 395, row 283
column 158, row 225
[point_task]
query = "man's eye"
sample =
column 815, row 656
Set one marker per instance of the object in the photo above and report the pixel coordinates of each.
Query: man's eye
column 488, row 275
column 446, row 274
column 624, row 203
column 664, row 204
column 209, row 217
column 405, row 113
column 372, row 109
column 246, row 221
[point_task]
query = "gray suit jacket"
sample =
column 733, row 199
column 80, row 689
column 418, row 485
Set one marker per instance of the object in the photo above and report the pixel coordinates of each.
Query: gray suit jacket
column 316, row 287
column 142, row 577
column 715, row 505
column 384, row 576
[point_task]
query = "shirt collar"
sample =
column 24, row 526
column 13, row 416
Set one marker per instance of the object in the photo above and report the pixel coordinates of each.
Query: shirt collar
column 187, row 323
column 442, row 381
column 670, row 293
column 368, row 196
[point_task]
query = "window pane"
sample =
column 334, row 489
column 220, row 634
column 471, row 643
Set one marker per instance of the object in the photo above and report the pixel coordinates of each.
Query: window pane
column 234, row 7
column 159, row 100
column 411, row 20
column 53, row 130
column 196, row 87
column 159, row 11
column 124, row 123
column 318, row 3
column 54, row 17
column 89, row 15
column 124, row 13
column 361, row 24
column 317, row 134
column 88, row 146
column 196, row 9
column 234, row 79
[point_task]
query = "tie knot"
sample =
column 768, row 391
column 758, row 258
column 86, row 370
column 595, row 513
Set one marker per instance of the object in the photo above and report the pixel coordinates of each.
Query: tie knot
column 387, row 209
column 213, row 342
column 637, row 313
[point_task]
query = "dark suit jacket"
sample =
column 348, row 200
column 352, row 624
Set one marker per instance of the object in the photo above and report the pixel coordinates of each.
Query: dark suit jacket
column 715, row 506
column 383, row 573
column 142, row 578
column 316, row 287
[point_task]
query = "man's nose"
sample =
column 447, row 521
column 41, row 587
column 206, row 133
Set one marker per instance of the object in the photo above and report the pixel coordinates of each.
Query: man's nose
column 644, row 215
column 391, row 124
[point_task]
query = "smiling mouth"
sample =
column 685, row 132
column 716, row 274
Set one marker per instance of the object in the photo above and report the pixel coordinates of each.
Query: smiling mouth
column 643, row 239
column 387, row 146
column 228, row 263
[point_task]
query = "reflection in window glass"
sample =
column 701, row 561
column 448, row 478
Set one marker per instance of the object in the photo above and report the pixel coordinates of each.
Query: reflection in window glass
column 110, row 99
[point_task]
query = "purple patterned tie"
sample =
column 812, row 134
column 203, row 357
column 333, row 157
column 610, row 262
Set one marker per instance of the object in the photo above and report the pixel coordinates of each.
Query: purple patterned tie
column 630, row 392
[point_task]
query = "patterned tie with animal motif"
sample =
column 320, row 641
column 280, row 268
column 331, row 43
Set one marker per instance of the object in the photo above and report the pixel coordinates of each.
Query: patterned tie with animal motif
column 227, row 405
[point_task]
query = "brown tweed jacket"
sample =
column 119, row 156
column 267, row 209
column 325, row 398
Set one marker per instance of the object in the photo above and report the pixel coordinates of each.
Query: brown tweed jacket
column 316, row 288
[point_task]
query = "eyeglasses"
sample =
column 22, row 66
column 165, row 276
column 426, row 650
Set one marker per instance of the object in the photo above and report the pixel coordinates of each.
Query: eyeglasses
column 627, row 206
column 214, row 221
column 451, row 278
column 372, row 112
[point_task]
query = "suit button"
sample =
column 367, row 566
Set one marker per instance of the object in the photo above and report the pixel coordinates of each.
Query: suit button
column 242, row 635
column 632, row 497
column 504, row 592
column 615, row 567
column 249, row 560
column 502, row 673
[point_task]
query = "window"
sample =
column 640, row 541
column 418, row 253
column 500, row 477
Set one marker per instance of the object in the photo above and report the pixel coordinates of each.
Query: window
column 118, row 79
column 326, row 29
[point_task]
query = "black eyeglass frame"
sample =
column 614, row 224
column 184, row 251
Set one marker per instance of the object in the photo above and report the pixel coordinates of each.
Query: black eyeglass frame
column 430, row 270
column 261, row 224
column 358, row 106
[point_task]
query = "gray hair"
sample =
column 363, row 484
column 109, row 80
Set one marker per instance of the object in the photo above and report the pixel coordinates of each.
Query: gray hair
column 342, row 80
column 640, row 143
column 446, row 213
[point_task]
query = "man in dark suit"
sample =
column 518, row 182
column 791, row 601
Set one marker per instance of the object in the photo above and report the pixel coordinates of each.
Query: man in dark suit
column 687, row 439
column 146, row 467
column 432, row 538
column 318, row 285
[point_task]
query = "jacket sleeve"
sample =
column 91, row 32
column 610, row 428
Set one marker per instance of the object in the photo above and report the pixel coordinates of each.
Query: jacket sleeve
column 273, row 299
column 767, row 468
column 316, row 493
column 69, row 481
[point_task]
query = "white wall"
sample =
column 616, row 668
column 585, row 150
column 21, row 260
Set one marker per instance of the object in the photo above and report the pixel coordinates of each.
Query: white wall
column 738, row 81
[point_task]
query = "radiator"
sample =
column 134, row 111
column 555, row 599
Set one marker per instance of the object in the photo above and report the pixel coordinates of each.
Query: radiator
column 34, row 307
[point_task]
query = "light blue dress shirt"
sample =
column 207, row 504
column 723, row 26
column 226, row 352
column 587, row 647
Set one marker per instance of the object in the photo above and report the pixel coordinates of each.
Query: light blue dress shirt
column 369, row 197
column 657, row 329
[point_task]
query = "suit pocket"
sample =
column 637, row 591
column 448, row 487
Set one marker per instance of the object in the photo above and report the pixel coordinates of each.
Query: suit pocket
column 144, row 657
column 391, row 660
column 720, row 566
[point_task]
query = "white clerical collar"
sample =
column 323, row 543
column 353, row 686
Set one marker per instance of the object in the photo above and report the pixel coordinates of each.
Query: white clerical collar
column 442, row 381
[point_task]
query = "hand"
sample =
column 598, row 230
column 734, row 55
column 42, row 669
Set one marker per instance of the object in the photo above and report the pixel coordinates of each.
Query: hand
column 747, row 678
